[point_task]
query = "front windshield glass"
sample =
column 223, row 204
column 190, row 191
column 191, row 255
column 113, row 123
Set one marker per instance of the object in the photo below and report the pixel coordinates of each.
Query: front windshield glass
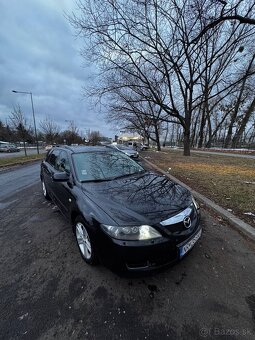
column 94, row 166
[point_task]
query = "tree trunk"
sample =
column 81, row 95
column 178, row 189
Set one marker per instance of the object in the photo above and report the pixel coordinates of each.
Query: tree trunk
column 201, row 131
column 166, row 135
column 178, row 135
column 238, row 103
column 157, row 137
column 230, row 131
column 247, row 115
column 209, row 143
column 186, row 142
column 25, row 150
column 252, row 136
column 172, row 136
column 194, row 130
column 213, row 134
column 186, row 134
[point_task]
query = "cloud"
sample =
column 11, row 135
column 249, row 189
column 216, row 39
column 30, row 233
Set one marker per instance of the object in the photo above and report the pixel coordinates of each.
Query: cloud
column 40, row 54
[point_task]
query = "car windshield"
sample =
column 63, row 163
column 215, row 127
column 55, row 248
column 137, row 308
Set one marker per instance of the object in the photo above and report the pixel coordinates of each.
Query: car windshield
column 101, row 166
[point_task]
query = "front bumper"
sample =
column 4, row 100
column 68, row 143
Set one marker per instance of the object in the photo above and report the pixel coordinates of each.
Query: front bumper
column 140, row 255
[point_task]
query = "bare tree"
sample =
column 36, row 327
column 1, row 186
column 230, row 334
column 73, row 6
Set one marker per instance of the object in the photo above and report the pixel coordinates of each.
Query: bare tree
column 94, row 137
column 245, row 118
column 147, row 48
column 71, row 135
column 19, row 123
column 50, row 129
column 239, row 100
column 6, row 134
column 138, row 113
column 238, row 11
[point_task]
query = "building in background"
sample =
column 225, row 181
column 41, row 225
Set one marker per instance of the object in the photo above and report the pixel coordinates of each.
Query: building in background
column 126, row 136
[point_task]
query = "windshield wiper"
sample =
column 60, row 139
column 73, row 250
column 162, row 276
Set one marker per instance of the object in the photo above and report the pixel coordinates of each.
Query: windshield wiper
column 97, row 180
column 112, row 178
column 133, row 173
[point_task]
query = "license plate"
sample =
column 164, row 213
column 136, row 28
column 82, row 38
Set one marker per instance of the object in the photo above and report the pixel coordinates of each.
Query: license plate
column 187, row 246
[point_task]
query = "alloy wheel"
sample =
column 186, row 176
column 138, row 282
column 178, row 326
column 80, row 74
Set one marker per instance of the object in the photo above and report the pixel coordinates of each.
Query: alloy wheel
column 83, row 240
column 44, row 189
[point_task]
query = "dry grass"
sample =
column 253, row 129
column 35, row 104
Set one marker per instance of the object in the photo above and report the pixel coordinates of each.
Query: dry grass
column 19, row 159
column 228, row 181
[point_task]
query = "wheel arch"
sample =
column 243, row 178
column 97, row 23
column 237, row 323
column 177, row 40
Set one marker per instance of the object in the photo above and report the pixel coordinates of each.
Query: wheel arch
column 91, row 223
column 74, row 214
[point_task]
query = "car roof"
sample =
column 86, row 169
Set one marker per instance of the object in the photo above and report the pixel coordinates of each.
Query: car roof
column 83, row 148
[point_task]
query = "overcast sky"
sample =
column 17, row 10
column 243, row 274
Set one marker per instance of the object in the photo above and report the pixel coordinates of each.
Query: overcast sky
column 40, row 54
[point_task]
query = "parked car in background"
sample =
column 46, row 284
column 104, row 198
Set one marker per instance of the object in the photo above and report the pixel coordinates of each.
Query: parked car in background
column 136, row 145
column 9, row 148
column 48, row 147
column 131, row 144
column 123, row 215
column 126, row 150
column 143, row 147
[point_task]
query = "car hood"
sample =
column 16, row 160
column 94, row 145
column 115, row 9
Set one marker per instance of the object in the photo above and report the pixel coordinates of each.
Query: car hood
column 146, row 198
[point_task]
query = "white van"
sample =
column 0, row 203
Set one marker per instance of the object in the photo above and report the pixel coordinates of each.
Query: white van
column 132, row 144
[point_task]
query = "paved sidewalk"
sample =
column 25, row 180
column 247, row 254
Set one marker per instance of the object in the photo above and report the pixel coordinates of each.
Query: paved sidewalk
column 228, row 154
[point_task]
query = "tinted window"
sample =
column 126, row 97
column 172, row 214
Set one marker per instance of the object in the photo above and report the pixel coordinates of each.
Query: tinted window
column 91, row 166
column 62, row 162
column 52, row 157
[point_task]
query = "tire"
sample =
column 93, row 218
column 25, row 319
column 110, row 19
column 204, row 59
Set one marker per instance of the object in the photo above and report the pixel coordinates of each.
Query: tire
column 85, row 241
column 45, row 192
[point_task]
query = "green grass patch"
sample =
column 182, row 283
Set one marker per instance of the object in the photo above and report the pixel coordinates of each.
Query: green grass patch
column 19, row 159
column 228, row 181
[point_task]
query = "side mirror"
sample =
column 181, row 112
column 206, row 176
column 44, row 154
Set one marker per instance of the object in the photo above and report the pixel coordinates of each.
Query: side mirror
column 60, row 177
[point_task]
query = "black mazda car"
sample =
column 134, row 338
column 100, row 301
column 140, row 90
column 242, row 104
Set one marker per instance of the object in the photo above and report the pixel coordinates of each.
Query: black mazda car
column 122, row 215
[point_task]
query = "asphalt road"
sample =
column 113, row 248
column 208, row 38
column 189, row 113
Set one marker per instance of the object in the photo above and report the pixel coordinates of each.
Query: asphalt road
column 48, row 292
column 13, row 181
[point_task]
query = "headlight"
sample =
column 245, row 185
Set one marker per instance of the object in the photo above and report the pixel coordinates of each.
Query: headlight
column 143, row 232
column 195, row 203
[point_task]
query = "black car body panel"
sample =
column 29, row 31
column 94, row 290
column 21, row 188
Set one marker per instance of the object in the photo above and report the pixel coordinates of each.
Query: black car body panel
column 146, row 198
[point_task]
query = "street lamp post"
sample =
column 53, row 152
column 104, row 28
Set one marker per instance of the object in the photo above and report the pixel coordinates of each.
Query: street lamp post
column 33, row 111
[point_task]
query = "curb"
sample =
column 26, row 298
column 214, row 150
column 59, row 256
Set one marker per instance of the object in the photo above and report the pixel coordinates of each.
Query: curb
column 236, row 222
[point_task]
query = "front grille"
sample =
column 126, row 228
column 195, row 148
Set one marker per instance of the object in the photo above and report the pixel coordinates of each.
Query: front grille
column 177, row 231
column 179, row 227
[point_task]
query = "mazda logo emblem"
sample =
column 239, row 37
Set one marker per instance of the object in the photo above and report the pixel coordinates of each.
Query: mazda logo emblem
column 187, row 222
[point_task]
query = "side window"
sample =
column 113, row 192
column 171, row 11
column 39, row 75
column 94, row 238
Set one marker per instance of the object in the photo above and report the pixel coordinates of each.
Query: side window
column 52, row 158
column 63, row 162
